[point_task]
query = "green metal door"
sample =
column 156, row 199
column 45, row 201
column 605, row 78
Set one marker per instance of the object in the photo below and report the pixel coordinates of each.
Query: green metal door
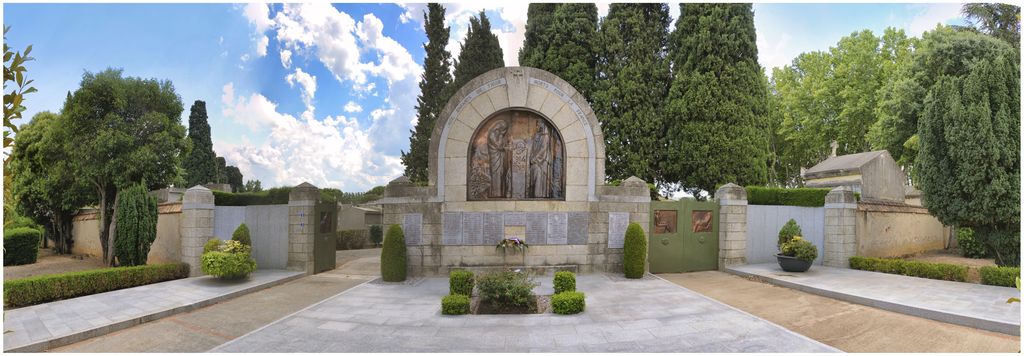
column 684, row 236
column 324, row 241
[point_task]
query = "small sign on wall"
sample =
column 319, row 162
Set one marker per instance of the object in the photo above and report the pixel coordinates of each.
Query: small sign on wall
column 617, row 224
column 412, row 227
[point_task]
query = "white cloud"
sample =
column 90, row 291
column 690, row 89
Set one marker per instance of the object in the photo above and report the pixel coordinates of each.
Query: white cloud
column 258, row 14
column 307, row 82
column 457, row 15
column 930, row 15
column 286, row 58
column 329, row 31
column 773, row 51
column 352, row 107
column 395, row 61
column 261, row 46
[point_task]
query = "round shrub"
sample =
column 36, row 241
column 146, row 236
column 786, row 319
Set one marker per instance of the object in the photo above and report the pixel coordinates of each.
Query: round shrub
column 21, row 246
column 787, row 232
column 565, row 281
column 228, row 265
column 566, row 303
column 460, row 282
column 506, row 290
column 455, row 304
column 801, row 249
column 969, row 245
column 212, row 245
column 394, row 257
column 634, row 251
column 241, row 234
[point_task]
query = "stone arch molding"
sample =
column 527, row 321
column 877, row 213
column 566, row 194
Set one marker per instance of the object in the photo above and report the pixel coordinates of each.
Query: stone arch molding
column 512, row 88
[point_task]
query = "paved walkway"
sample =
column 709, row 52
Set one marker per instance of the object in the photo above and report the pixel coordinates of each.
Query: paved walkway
column 649, row 315
column 49, row 325
column 967, row 304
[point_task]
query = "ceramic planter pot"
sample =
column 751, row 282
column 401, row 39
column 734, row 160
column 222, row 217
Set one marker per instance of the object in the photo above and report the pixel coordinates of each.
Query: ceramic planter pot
column 792, row 264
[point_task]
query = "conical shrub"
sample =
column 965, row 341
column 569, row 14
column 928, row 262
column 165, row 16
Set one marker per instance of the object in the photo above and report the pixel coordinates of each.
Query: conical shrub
column 241, row 234
column 634, row 254
column 394, row 257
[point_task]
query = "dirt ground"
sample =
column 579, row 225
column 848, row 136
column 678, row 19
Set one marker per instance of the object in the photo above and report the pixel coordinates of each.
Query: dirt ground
column 49, row 263
column 953, row 257
column 846, row 326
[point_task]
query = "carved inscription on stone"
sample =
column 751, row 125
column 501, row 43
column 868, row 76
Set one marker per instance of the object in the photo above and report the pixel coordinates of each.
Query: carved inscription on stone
column 537, row 228
column 579, row 226
column 494, row 228
column 412, row 226
column 617, row 224
column 452, row 229
column 472, row 228
column 516, row 155
column 558, row 228
column 515, row 218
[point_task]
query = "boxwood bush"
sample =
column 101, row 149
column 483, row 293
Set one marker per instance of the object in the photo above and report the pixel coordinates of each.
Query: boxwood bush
column 455, row 304
column 51, row 287
column 460, row 282
column 568, row 303
column 241, row 234
column 394, row 257
column 634, row 251
column 1000, row 276
column 21, row 246
column 941, row 271
column 565, row 281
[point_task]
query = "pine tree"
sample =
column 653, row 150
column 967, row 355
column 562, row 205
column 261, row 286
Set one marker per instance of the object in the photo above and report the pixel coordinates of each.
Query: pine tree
column 480, row 53
column 633, row 80
column 433, row 85
column 717, row 101
column 567, row 43
column 200, row 165
column 535, row 44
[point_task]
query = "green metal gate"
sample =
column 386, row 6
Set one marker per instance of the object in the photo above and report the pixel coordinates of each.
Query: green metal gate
column 684, row 236
column 324, row 241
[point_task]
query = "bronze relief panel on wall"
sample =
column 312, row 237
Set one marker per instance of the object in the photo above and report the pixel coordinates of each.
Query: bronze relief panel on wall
column 516, row 155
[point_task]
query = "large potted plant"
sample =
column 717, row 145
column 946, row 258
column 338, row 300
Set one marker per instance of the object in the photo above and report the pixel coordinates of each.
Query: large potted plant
column 795, row 253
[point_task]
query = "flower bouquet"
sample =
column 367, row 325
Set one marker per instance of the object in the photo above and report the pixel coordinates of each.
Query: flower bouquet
column 512, row 243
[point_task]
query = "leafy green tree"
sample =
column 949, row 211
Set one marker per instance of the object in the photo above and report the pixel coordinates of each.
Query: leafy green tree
column 136, row 225
column 480, row 53
column 433, row 84
column 969, row 160
column 632, row 83
column 899, row 101
column 14, row 72
column 252, row 185
column 1001, row 21
column 123, row 130
column 717, row 100
column 200, row 164
column 568, row 45
column 234, row 177
column 537, row 40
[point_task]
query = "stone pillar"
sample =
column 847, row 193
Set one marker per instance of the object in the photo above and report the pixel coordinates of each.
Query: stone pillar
column 732, row 225
column 301, row 226
column 196, row 226
column 840, row 227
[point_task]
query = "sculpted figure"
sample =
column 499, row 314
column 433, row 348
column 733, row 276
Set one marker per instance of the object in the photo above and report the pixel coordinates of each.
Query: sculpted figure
column 540, row 163
column 497, row 145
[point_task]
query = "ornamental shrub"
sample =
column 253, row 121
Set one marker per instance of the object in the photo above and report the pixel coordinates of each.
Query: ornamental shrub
column 634, row 254
column 940, row 271
column 376, row 234
column 801, row 249
column 21, row 246
column 969, row 245
column 241, row 234
column 51, row 287
column 136, row 214
column 787, row 232
column 393, row 257
column 212, row 245
column 506, row 289
column 228, row 265
column 22, row 221
column 811, row 197
column 1000, row 276
column 566, row 303
column 460, row 282
column 455, row 304
column 565, row 281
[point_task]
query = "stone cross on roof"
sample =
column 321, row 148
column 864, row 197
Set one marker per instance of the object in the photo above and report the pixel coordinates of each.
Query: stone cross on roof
column 834, row 145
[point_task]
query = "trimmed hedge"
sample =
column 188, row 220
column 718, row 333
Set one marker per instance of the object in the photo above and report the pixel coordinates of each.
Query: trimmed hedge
column 941, row 271
column 565, row 281
column 21, row 246
column 267, row 197
column 460, row 282
column 786, row 196
column 394, row 256
column 634, row 251
column 455, row 304
column 566, row 303
column 1000, row 276
column 51, row 287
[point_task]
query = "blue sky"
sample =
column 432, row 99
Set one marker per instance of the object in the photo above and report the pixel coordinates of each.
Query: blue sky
column 326, row 93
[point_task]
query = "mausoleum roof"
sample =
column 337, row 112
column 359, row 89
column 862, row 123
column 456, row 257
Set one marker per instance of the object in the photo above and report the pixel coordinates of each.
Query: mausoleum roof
column 842, row 165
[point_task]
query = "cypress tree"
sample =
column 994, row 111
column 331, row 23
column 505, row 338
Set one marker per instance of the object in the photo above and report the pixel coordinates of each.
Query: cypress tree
column 536, row 41
column 567, row 43
column 480, row 53
column 200, row 165
column 633, row 80
column 136, row 225
column 433, row 84
column 235, row 178
column 222, row 170
column 717, row 101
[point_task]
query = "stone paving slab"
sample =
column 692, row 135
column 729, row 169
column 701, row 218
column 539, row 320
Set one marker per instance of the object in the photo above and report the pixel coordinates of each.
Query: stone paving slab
column 44, row 326
column 973, row 305
column 648, row 315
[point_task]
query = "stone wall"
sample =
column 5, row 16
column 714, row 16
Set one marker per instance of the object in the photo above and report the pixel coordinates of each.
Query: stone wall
column 165, row 249
column 892, row 230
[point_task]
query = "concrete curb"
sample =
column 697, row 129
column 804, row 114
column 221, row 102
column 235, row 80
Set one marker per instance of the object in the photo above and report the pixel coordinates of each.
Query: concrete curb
column 124, row 324
column 937, row 315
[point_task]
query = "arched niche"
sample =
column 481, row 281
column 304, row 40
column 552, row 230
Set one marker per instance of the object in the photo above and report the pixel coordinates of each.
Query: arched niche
column 516, row 154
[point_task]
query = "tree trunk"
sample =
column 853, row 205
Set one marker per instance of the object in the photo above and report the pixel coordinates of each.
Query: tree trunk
column 113, row 232
column 107, row 197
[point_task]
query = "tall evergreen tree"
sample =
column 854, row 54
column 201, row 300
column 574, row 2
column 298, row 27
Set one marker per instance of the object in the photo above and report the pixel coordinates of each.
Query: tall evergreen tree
column 234, row 177
column 536, row 41
column 568, row 45
column 433, row 85
column 718, row 100
column 480, row 53
column 200, row 165
column 633, row 80
column 222, row 170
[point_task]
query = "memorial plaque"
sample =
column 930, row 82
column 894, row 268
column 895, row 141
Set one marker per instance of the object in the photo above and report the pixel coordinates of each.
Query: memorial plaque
column 558, row 229
column 472, row 228
column 452, row 229
column 515, row 218
column 579, row 226
column 494, row 228
column 515, row 154
column 665, row 221
column 412, row 225
column 701, row 220
column 537, row 228
column 617, row 224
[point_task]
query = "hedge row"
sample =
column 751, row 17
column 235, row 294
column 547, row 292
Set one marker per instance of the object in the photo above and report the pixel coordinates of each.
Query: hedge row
column 267, row 197
column 48, row 288
column 1000, row 276
column 786, row 196
column 941, row 271
column 21, row 246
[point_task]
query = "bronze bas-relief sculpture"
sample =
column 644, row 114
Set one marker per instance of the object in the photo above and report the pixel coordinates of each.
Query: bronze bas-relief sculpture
column 515, row 155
